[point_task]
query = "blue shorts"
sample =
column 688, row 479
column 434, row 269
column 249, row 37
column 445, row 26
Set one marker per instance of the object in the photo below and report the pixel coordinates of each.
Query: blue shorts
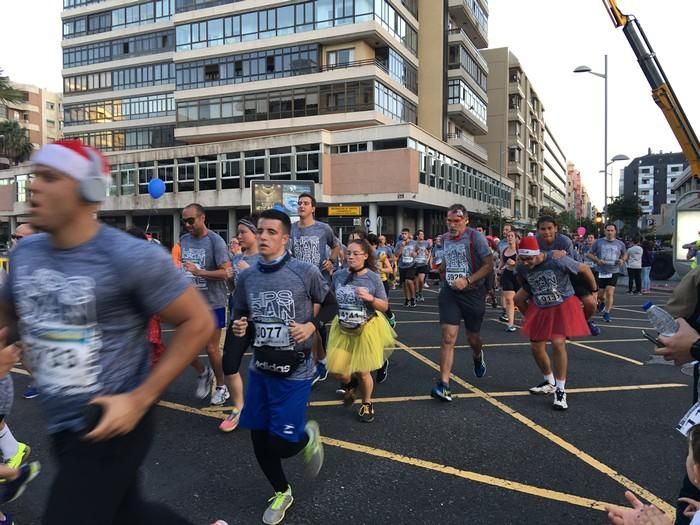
column 220, row 316
column 277, row 405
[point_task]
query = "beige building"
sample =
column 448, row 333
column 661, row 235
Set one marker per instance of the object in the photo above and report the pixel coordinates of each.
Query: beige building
column 520, row 147
column 375, row 103
column 40, row 112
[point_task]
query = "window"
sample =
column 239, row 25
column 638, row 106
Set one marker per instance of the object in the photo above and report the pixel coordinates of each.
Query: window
column 231, row 171
column 211, row 72
column 340, row 57
column 254, row 166
column 308, row 162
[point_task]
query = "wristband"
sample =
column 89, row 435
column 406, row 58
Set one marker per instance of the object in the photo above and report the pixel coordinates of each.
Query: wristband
column 695, row 350
column 469, row 282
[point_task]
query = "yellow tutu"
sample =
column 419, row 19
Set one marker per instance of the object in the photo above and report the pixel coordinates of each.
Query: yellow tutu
column 348, row 353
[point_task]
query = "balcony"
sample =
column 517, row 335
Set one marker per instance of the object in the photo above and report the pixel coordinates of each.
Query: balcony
column 514, row 88
column 516, row 114
column 462, row 12
column 467, row 145
column 458, row 36
column 515, row 167
column 467, row 119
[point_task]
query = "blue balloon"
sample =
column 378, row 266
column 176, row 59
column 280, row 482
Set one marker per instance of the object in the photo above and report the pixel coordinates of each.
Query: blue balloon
column 279, row 207
column 156, row 188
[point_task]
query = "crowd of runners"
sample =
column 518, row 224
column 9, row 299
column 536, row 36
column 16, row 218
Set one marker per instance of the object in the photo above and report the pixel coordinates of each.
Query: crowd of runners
column 83, row 303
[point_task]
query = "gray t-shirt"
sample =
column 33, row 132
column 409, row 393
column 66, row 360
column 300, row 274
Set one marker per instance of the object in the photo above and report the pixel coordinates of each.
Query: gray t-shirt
column 423, row 249
column 83, row 315
column 208, row 253
column 462, row 258
column 561, row 242
column 404, row 251
column 609, row 252
column 276, row 298
column 250, row 259
column 353, row 311
column 634, row 257
column 309, row 244
column 384, row 249
column 549, row 282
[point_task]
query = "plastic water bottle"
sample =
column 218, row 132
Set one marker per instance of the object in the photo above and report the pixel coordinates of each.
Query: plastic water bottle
column 660, row 319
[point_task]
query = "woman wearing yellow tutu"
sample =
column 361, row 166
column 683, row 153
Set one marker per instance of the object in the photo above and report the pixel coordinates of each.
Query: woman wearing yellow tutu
column 360, row 339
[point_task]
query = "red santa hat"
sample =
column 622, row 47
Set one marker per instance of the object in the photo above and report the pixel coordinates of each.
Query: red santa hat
column 73, row 158
column 529, row 246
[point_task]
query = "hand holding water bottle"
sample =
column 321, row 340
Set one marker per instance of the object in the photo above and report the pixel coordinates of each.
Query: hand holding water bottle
column 677, row 347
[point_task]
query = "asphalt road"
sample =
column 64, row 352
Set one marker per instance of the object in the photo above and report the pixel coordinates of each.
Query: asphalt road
column 494, row 455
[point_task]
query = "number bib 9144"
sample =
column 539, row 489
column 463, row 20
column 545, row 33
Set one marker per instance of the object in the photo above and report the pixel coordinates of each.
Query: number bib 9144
column 351, row 317
column 272, row 333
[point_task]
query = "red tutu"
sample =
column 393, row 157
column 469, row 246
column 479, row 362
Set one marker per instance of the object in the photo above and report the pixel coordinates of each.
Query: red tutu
column 558, row 322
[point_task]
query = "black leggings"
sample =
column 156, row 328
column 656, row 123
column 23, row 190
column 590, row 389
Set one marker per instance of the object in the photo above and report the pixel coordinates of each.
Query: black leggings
column 103, row 477
column 634, row 275
column 270, row 450
column 387, row 287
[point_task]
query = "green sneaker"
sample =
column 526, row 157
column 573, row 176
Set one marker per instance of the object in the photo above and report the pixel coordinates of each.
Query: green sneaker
column 313, row 451
column 19, row 457
column 279, row 503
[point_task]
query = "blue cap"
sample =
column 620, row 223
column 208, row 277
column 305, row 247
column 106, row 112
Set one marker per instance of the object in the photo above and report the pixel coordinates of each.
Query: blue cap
column 647, row 305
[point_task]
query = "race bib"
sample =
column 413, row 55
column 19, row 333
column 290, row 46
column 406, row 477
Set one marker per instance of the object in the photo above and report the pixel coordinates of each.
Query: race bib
column 549, row 299
column 407, row 259
column 351, row 317
column 452, row 275
column 689, row 420
column 604, row 275
column 65, row 360
column 273, row 333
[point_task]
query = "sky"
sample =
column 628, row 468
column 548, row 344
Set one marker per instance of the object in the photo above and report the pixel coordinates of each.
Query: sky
column 549, row 37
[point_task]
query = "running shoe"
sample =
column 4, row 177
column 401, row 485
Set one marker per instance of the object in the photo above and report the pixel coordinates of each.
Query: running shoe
column 606, row 317
column 205, row 383
column 426, row 285
column 441, row 391
column 560, row 400
column 7, row 520
column 321, row 373
column 231, row 422
column 511, row 328
column 420, row 298
column 479, row 365
column 544, row 388
column 350, row 390
column 366, row 413
column 19, row 457
column 220, row 396
column 392, row 320
column 413, row 303
column 341, row 389
column 11, row 490
column 220, row 522
column 383, row 372
column 504, row 317
column 601, row 306
column 313, row 451
column 31, row 392
column 279, row 503
column 407, row 303
column 593, row 328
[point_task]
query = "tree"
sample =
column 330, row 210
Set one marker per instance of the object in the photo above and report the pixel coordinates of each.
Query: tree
column 567, row 221
column 625, row 209
column 494, row 219
column 548, row 210
column 7, row 92
column 14, row 142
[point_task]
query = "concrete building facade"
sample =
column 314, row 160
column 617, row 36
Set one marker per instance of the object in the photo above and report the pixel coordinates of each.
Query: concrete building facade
column 39, row 111
column 651, row 177
column 578, row 200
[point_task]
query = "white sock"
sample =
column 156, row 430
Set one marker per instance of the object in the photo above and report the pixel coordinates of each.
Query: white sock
column 561, row 384
column 8, row 444
column 323, row 361
column 549, row 378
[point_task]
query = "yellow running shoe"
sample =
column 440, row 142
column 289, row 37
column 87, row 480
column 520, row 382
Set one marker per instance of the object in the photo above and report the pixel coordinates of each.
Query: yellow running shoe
column 19, row 457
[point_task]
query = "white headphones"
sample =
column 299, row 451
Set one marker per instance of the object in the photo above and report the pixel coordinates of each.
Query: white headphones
column 93, row 188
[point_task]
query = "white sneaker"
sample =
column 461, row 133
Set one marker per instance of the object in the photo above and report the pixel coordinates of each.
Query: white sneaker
column 426, row 285
column 544, row 388
column 220, row 396
column 560, row 400
column 205, row 382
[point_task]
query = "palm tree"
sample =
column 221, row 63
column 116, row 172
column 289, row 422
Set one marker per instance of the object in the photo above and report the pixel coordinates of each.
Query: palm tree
column 7, row 92
column 14, row 142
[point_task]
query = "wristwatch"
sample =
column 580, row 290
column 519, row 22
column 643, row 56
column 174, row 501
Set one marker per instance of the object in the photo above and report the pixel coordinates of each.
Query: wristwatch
column 695, row 349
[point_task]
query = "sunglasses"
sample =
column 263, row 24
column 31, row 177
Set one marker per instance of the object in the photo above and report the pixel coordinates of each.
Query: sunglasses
column 189, row 221
column 17, row 237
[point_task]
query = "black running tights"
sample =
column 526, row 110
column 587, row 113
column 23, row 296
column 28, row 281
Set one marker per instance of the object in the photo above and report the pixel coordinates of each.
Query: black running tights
column 97, row 483
column 270, row 450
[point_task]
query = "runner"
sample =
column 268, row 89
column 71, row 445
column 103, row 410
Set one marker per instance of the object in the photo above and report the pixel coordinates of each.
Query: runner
column 360, row 338
column 85, row 335
column 406, row 253
column 233, row 354
column 276, row 304
column 502, row 243
column 234, row 247
column 509, row 284
column 307, row 242
column 608, row 253
column 467, row 262
column 206, row 262
column 553, row 315
column 422, row 262
column 383, row 247
column 550, row 240
column 385, row 269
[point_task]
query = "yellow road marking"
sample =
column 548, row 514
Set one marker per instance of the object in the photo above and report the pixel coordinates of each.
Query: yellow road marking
column 515, row 393
column 638, row 312
column 414, row 311
column 604, row 352
column 527, row 343
column 583, row 456
column 469, row 475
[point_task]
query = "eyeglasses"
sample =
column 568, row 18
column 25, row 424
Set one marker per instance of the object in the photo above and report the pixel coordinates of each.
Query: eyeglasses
column 189, row 221
column 17, row 237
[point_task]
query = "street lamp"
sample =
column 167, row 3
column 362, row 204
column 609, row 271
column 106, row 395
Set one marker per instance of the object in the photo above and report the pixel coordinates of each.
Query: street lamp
column 604, row 76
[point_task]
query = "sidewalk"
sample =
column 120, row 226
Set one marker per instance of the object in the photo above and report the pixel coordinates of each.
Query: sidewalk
column 657, row 286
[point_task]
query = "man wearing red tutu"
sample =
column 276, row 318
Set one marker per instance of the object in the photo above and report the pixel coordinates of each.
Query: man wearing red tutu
column 553, row 312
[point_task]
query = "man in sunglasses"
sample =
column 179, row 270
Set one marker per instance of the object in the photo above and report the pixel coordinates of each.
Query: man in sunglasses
column 22, row 231
column 205, row 260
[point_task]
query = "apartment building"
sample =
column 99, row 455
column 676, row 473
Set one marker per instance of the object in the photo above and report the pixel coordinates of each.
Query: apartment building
column 519, row 146
column 375, row 103
column 578, row 200
column 39, row 111
column 651, row 177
